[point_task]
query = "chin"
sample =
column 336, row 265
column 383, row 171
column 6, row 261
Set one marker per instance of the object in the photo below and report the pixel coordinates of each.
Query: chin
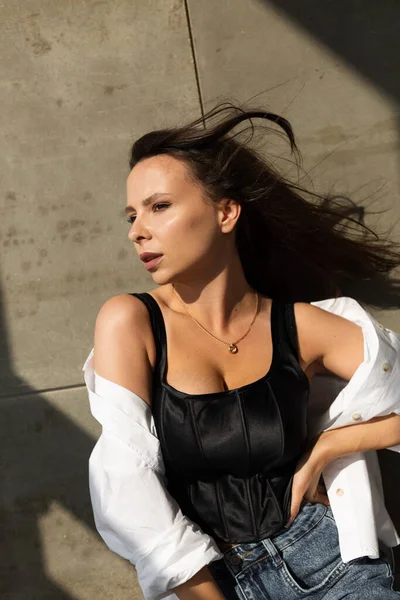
column 160, row 278
column 167, row 279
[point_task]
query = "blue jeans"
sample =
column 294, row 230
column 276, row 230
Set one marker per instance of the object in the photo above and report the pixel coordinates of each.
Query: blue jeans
column 302, row 561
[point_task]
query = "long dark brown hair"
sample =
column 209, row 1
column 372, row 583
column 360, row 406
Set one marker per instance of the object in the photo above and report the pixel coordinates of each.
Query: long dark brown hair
column 294, row 245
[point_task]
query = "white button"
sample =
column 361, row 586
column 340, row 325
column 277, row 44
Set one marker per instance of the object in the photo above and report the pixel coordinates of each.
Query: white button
column 386, row 366
column 339, row 492
column 356, row 416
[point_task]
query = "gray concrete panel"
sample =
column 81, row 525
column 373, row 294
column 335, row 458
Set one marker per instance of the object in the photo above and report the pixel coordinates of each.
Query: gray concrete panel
column 50, row 548
column 80, row 81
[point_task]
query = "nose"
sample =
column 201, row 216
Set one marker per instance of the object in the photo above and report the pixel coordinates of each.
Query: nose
column 137, row 231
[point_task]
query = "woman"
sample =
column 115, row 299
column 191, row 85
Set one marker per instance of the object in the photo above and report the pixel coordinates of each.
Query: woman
column 238, row 254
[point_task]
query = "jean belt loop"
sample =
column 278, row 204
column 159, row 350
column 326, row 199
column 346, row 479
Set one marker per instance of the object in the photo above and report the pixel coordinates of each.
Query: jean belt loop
column 273, row 552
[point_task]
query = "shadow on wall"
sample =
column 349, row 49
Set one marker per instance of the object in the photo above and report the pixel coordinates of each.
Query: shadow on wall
column 364, row 33
column 43, row 459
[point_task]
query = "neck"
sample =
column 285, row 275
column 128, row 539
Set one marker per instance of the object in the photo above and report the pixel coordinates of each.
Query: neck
column 218, row 305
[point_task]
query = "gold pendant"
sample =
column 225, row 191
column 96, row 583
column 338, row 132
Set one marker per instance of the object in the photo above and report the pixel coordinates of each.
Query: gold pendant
column 233, row 348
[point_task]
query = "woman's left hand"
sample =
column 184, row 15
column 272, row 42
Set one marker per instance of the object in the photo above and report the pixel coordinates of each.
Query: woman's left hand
column 306, row 484
column 375, row 434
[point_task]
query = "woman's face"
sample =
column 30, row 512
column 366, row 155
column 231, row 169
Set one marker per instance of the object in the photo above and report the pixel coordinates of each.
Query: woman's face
column 179, row 223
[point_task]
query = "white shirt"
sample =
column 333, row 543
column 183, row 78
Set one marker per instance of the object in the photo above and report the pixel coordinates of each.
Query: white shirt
column 139, row 520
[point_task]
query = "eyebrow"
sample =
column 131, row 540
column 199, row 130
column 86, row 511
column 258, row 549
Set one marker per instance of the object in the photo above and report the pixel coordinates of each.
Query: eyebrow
column 147, row 201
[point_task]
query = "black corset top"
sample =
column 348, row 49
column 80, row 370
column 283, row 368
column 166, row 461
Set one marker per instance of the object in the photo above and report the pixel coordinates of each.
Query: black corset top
column 230, row 456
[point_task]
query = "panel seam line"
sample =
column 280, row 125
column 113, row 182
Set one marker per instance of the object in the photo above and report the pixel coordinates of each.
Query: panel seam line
column 193, row 51
column 247, row 440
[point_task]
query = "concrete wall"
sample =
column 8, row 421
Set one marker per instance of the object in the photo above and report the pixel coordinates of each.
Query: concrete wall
column 79, row 82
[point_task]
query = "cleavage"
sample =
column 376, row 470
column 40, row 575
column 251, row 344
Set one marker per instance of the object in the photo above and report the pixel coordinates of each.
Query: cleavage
column 200, row 367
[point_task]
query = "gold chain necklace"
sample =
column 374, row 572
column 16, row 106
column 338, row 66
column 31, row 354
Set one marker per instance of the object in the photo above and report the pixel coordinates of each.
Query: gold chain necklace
column 232, row 346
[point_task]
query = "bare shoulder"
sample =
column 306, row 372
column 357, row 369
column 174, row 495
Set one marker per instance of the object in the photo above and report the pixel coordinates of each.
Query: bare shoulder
column 121, row 339
column 333, row 343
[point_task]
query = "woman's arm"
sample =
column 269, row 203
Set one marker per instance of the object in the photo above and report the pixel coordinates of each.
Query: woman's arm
column 337, row 345
column 134, row 513
column 375, row 434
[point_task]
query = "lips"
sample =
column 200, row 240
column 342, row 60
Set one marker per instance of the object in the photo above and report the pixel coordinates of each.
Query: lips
column 147, row 256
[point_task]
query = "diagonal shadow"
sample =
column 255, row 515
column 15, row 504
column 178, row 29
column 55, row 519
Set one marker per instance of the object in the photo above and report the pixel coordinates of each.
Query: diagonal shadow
column 363, row 33
column 43, row 458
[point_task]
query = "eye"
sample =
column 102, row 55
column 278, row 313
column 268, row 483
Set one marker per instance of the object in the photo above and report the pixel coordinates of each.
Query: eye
column 132, row 218
column 161, row 204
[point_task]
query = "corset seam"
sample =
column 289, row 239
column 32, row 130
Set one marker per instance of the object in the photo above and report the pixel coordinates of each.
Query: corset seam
column 282, row 436
column 247, row 440
column 164, row 445
column 274, row 498
column 244, row 428
column 196, row 433
column 219, row 505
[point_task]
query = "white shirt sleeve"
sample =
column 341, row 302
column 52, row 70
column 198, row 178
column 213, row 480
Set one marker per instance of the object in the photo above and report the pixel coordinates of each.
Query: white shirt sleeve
column 133, row 511
column 353, row 482
column 373, row 390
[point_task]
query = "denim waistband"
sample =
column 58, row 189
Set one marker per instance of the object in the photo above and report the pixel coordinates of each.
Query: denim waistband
column 308, row 517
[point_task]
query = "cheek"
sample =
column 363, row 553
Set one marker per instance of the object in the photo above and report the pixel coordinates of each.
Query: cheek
column 194, row 232
column 179, row 227
column 200, row 233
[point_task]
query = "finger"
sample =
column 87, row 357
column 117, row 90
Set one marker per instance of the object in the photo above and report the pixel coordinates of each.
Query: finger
column 325, row 500
column 320, row 498
column 294, row 509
